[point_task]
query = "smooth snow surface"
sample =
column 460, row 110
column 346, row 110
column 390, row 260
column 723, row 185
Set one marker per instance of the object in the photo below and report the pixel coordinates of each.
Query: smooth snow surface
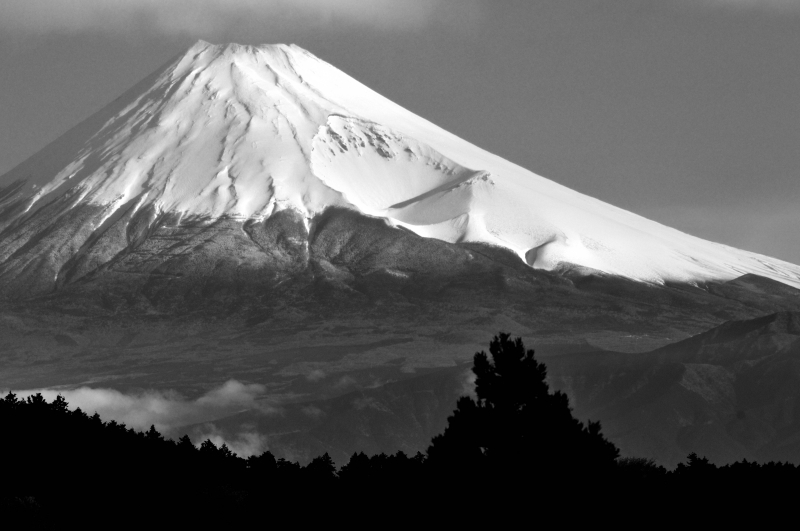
column 244, row 131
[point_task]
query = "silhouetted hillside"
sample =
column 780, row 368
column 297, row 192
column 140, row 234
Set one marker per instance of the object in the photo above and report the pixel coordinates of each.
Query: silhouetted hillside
column 515, row 441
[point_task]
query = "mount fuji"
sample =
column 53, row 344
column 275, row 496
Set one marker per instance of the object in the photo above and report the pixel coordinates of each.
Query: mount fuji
column 252, row 213
column 244, row 133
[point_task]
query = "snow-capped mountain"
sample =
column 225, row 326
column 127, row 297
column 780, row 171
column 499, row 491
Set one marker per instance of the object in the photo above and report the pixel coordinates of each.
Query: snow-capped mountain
column 242, row 132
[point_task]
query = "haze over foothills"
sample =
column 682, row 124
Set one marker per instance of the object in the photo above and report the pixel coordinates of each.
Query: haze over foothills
column 683, row 111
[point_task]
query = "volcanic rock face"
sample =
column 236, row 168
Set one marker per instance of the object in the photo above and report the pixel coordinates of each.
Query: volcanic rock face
column 233, row 135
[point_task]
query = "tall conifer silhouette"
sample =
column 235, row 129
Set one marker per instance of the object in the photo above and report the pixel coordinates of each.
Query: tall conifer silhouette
column 516, row 425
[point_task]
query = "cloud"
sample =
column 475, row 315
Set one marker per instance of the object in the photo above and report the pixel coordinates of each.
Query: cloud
column 167, row 410
column 468, row 388
column 243, row 444
column 315, row 375
column 312, row 411
column 369, row 402
column 209, row 18
column 377, row 382
column 344, row 381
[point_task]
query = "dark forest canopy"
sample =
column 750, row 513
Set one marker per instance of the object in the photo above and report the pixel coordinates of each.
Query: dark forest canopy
column 514, row 432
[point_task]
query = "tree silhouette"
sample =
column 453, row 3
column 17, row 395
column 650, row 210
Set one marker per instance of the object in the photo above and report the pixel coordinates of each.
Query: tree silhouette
column 262, row 464
column 515, row 429
column 357, row 471
column 516, row 425
column 321, row 470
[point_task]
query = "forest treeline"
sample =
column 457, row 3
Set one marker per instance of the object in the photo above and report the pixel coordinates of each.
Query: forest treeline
column 514, row 440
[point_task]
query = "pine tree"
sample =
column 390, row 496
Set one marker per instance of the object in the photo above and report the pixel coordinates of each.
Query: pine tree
column 517, row 426
column 321, row 470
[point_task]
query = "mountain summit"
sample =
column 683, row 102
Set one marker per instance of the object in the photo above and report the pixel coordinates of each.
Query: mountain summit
column 243, row 133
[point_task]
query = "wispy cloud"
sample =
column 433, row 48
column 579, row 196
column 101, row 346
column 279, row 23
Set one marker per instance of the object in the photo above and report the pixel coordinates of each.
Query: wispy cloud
column 369, row 402
column 345, row 381
column 316, row 375
column 210, row 18
column 167, row 410
column 312, row 411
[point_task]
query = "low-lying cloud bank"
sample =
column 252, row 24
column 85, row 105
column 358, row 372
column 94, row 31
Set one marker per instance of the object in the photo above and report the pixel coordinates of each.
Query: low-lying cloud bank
column 209, row 17
column 167, row 410
column 244, row 444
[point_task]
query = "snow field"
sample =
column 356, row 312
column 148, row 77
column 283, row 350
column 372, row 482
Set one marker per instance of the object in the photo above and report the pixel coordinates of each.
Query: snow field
column 244, row 131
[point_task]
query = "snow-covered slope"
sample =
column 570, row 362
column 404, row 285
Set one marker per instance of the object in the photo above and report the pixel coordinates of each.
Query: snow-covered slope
column 243, row 132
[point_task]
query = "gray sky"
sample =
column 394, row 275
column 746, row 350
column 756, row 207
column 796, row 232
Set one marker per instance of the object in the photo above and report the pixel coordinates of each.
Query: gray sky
column 684, row 111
